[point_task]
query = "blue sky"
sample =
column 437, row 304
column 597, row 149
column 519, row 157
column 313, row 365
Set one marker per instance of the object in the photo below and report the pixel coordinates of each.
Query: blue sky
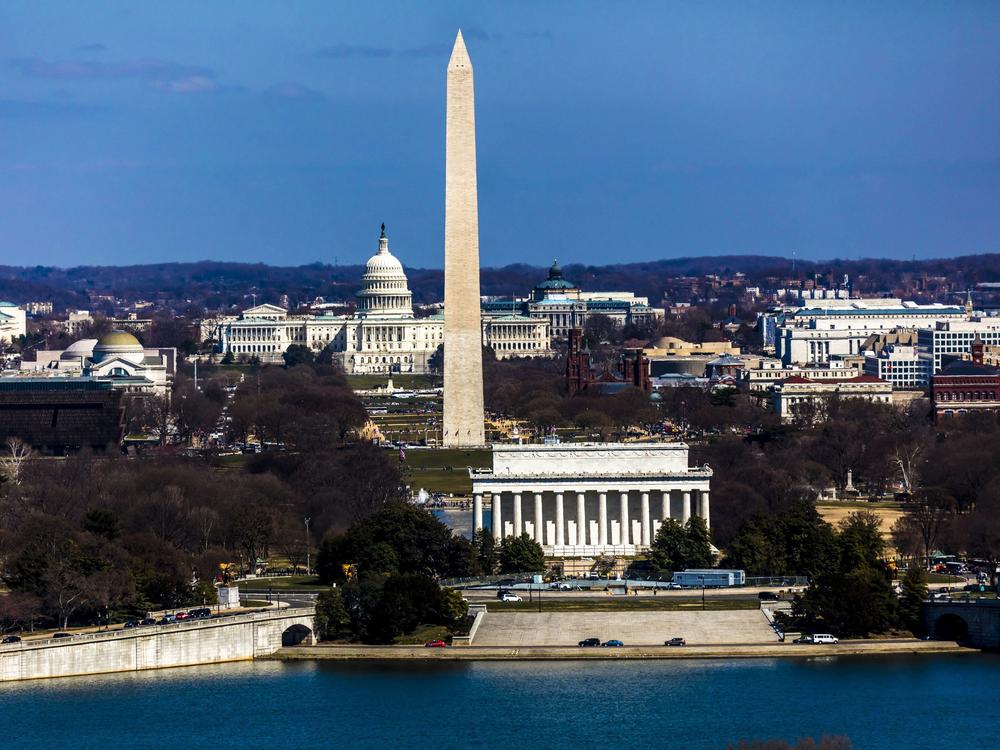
column 608, row 132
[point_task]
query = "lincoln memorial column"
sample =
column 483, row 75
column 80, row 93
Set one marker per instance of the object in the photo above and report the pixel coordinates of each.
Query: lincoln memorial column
column 602, row 518
column 497, row 525
column 560, row 521
column 624, row 512
column 644, row 500
column 477, row 512
column 703, row 508
column 581, row 519
column 665, row 505
column 517, row 514
column 686, row 507
column 539, row 525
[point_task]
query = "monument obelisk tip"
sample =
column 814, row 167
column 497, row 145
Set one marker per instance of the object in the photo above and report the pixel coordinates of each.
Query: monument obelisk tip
column 459, row 54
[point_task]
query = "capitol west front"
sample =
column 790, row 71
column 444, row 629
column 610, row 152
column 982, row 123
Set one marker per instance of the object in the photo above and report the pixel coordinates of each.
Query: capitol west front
column 382, row 336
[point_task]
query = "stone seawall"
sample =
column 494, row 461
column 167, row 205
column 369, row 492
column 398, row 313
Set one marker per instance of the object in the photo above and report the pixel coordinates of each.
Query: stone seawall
column 181, row 644
column 549, row 653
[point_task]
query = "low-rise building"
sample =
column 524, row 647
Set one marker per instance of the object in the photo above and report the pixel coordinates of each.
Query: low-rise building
column 816, row 333
column 382, row 336
column 38, row 308
column 116, row 358
column 76, row 320
column 804, row 398
column 60, row 415
column 768, row 372
column 12, row 322
column 670, row 355
column 964, row 386
column 564, row 306
column 906, row 367
column 956, row 337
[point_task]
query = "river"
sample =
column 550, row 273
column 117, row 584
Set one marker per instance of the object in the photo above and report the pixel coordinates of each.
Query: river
column 909, row 703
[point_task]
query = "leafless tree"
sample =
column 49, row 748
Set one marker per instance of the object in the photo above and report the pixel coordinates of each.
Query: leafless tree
column 12, row 463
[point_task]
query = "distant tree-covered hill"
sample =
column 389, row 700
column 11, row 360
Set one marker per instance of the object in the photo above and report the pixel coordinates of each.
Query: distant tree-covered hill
column 218, row 286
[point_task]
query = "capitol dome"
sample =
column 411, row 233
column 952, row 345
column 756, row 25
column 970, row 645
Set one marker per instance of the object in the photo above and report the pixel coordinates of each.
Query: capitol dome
column 118, row 344
column 384, row 289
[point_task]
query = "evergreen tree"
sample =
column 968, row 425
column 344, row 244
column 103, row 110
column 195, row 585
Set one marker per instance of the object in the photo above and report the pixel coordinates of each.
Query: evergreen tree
column 677, row 547
column 910, row 603
column 486, row 551
column 521, row 554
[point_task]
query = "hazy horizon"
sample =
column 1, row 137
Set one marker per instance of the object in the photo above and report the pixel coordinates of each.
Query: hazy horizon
column 285, row 134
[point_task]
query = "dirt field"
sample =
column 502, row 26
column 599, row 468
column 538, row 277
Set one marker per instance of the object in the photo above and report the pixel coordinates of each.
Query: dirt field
column 834, row 513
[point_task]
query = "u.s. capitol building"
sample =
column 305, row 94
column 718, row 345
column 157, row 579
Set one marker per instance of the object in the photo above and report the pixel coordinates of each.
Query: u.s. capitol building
column 382, row 336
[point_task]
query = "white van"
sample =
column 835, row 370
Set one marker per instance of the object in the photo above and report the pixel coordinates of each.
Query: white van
column 824, row 638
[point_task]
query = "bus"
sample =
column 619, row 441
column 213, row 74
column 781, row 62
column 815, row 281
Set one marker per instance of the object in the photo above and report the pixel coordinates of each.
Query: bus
column 710, row 578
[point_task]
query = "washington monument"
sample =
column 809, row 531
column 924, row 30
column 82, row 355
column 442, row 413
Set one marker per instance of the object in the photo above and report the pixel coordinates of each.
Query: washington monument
column 463, row 352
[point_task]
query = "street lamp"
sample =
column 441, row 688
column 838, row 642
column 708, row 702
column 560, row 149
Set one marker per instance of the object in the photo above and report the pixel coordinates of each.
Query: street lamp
column 702, row 592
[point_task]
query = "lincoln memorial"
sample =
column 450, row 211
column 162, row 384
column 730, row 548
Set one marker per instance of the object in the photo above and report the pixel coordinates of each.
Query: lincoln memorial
column 586, row 499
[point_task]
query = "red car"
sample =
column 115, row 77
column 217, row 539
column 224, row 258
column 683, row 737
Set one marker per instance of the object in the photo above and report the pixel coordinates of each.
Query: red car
column 436, row 644
column 183, row 616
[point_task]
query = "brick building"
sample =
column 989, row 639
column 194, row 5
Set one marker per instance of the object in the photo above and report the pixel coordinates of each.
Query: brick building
column 965, row 386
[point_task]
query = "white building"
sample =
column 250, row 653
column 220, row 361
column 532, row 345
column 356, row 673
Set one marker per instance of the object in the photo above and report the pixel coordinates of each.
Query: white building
column 564, row 306
column 812, row 335
column 956, row 337
column 12, row 322
column 905, row 366
column 75, row 320
column 618, row 494
column 117, row 357
column 802, row 397
column 768, row 372
column 382, row 336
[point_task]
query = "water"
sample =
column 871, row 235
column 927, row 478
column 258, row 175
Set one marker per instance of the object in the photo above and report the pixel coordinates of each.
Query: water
column 904, row 703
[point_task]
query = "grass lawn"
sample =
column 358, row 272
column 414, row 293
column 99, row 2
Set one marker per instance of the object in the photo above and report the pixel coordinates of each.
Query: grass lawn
column 624, row 604
column 444, row 457
column 863, row 505
column 423, row 634
column 429, row 469
column 234, row 461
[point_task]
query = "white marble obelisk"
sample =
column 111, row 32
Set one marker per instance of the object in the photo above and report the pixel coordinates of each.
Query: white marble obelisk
column 463, row 353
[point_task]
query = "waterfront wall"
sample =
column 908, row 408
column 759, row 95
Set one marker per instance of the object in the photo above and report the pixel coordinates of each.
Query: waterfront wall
column 478, row 611
column 188, row 643
column 975, row 622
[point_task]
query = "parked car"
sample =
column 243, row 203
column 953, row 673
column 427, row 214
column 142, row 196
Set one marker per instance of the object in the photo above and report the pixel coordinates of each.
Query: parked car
column 587, row 642
column 767, row 596
column 11, row 639
column 129, row 624
column 509, row 597
column 671, row 585
column 436, row 644
column 167, row 619
column 817, row 638
column 675, row 642
column 202, row 613
column 613, row 643
column 61, row 635
column 182, row 616
column 146, row 621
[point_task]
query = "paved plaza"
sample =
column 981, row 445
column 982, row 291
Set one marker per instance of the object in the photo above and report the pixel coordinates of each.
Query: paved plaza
column 633, row 628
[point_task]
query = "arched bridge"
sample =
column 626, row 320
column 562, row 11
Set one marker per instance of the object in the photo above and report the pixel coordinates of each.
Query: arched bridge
column 186, row 643
column 973, row 623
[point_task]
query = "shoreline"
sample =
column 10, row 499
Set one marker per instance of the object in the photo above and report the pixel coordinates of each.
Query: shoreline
column 338, row 652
